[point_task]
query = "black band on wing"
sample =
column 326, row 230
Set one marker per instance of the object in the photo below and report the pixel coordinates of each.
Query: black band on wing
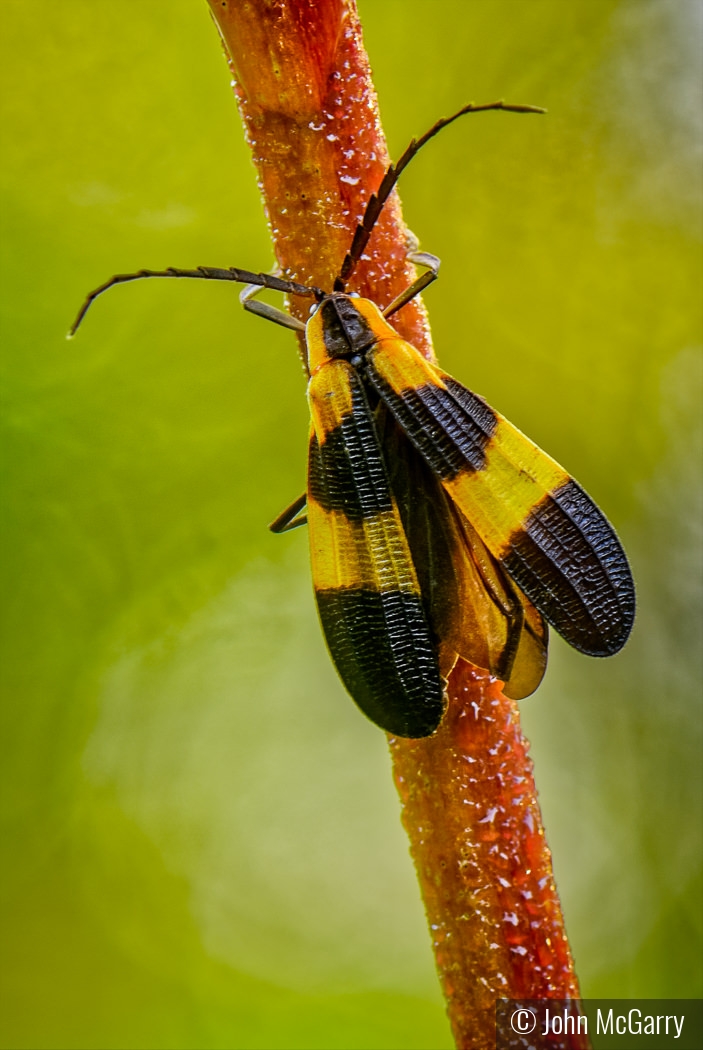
column 380, row 646
column 569, row 562
column 346, row 473
column 448, row 425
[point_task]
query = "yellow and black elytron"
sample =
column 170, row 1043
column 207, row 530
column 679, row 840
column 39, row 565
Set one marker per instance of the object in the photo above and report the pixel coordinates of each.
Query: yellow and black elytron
column 437, row 530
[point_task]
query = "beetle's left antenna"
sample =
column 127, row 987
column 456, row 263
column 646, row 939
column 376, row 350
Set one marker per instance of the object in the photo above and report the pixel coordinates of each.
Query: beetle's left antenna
column 208, row 273
column 378, row 199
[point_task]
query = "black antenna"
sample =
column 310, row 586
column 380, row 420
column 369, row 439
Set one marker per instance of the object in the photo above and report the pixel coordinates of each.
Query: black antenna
column 378, row 199
column 209, row 273
column 362, row 233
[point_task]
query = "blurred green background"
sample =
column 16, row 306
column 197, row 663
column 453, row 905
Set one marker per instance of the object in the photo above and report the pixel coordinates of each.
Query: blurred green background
column 201, row 842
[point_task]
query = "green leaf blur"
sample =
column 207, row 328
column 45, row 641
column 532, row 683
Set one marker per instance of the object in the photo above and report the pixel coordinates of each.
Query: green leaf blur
column 201, row 842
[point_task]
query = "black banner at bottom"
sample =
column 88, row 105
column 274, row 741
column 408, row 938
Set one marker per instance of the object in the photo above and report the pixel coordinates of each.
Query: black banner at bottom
column 600, row 1024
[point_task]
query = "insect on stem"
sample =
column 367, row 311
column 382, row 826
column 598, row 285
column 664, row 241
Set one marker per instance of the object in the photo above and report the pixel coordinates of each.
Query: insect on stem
column 406, row 473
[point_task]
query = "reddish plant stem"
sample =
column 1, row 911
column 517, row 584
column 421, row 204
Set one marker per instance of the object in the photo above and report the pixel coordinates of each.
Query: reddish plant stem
column 303, row 85
column 470, row 808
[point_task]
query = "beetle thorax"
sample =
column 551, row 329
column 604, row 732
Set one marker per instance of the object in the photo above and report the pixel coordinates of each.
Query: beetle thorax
column 344, row 326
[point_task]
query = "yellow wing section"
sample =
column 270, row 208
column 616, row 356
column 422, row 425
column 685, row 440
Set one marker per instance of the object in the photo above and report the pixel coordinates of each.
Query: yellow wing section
column 366, row 587
column 548, row 535
column 474, row 609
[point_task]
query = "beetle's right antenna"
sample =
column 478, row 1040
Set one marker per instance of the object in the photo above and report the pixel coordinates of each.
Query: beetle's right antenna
column 378, row 199
column 209, row 273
